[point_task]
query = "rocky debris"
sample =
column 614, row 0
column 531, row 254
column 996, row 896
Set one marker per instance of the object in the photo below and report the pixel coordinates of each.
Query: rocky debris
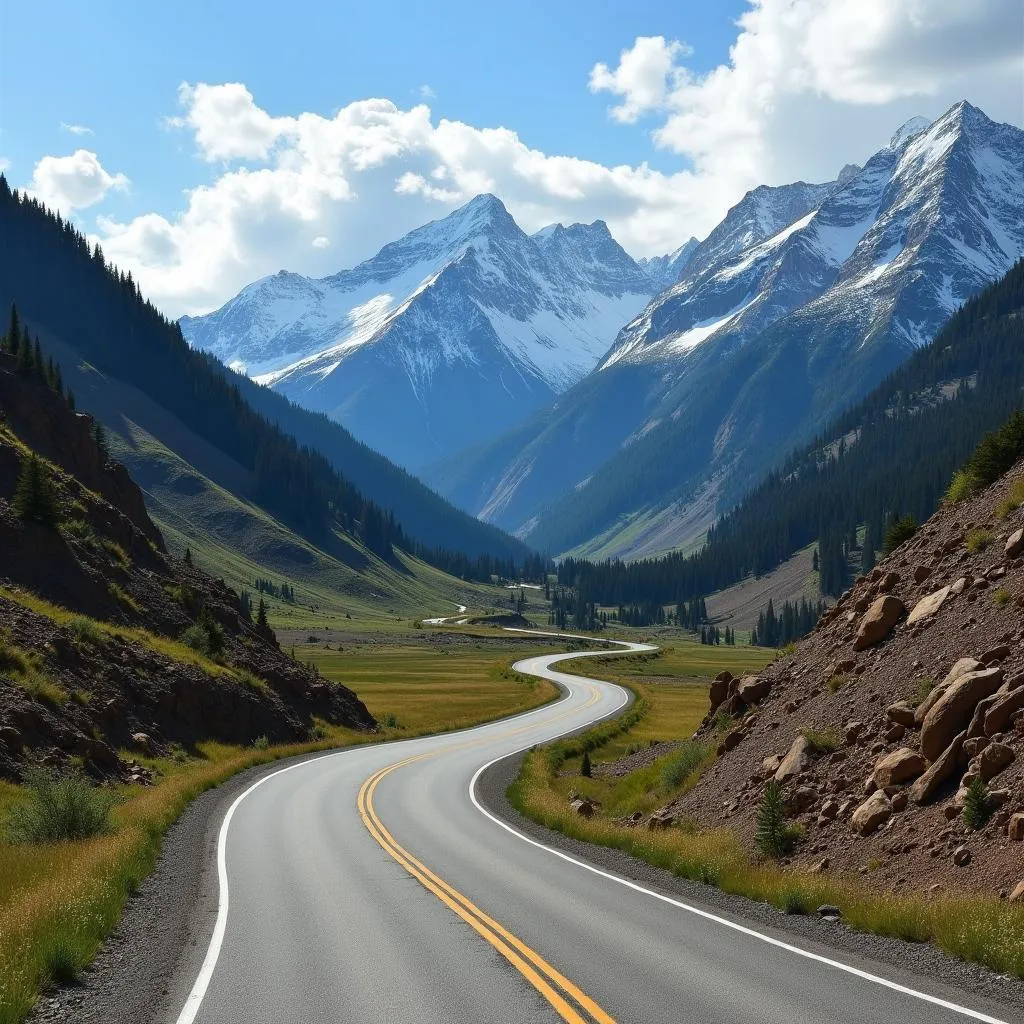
column 961, row 668
column 1014, row 546
column 795, row 760
column 1015, row 828
column 872, row 814
column 897, row 768
column 992, row 760
column 962, row 856
column 144, row 742
column 878, row 622
column 901, row 713
column 941, row 769
column 928, row 606
column 661, row 819
column 999, row 713
column 583, row 806
column 955, row 707
column 753, row 689
column 829, row 912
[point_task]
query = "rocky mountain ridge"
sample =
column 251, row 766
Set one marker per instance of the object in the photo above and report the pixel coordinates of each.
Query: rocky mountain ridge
column 466, row 320
column 910, row 688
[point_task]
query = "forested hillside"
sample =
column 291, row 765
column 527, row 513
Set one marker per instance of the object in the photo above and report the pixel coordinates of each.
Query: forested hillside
column 65, row 287
column 895, row 452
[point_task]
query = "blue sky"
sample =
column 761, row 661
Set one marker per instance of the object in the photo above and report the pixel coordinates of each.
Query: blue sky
column 208, row 144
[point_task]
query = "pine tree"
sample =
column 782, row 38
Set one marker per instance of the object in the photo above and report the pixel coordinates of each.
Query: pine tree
column 38, row 363
column 99, row 437
column 585, row 766
column 34, row 498
column 772, row 836
column 188, row 556
column 13, row 337
column 71, row 400
column 261, row 615
column 26, row 360
column 814, row 562
column 976, row 809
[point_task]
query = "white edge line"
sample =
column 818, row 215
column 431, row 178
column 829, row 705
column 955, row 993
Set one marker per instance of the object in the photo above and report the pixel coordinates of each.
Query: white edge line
column 689, row 908
column 198, row 992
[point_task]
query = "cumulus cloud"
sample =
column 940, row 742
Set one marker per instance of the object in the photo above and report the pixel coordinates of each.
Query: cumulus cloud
column 644, row 76
column 808, row 86
column 76, row 129
column 425, row 92
column 74, row 182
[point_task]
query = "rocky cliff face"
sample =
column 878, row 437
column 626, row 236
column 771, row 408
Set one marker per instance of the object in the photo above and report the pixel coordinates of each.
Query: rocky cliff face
column 100, row 630
column 909, row 688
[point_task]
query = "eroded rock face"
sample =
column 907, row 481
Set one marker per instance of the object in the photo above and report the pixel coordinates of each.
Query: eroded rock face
column 993, row 759
column 753, row 689
column 998, row 715
column 954, row 709
column 901, row 713
column 942, row 768
column 961, row 668
column 897, row 768
column 878, row 621
column 872, row 814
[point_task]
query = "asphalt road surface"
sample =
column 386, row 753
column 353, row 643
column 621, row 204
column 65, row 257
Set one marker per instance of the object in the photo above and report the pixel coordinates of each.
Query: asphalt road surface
column 372, row 887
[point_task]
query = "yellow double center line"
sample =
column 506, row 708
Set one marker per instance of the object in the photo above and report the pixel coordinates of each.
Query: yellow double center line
column 567, row 1000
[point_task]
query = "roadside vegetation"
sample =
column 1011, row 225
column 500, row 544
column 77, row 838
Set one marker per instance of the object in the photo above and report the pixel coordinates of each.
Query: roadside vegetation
column 71, row 853
column 980, row 929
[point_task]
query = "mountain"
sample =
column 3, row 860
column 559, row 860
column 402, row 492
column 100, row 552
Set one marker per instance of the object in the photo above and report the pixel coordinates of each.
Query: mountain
column 459, row 329
column 106, row 636
column 664, row 271
column 795, row 306
column 892, row 454
column 218, row 473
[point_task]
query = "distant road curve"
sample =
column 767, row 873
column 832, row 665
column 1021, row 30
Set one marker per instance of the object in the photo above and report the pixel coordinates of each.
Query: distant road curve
column 371, row 886
column 461, row 609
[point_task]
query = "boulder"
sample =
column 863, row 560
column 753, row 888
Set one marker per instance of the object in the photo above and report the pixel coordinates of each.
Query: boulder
column 1018, row 893
column 938, row 771
column 143, row 741
column 961, row 856
column 921, row 573
column 770, row 765
column 901, row 713
column 878, row 621
column 977, row 727
column 871, row 814
column 1015, row 828
column 961, row 668
column 928, row 606
column 897, row 768
column 998, row 715
column 583, row 807
column 1014, row 544
column 954, row 708
column 660, row 819
column 795, row 760
column 888, row 581
column 718, row 692
column 732, row 740
column 753, row 689
column 852, row 730
column 994, row 759
column 958, row 587
column 994, row 655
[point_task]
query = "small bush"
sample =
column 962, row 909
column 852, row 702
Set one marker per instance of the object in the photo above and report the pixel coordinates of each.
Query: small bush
column 205, row 636
column 772, row 836
column 80, row 530
column 961, row 487
column 65, row 960
column 85, row 630
column 681, row 764
column 976, row 809
column 1012, row 501
column 26, row 669
column 823, row 741
column 924, row 690
column 250, row 679
column 586, row 768
column 722, row 721
column 389, row 720
column 261, row 743
column 123, row 598
column 117, row 553
column 978, row 540
column 835, row 683
column 794, row 902
column 1001, row 597
column 898, row 532
column 58, row 809
column 633, row 748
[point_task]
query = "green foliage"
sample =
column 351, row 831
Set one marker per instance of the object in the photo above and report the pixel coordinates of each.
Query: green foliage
column 80, row 530
column 206, row 635
column 123, row 598
column 26, row 669
column 978, row 540
column 822, row 741
column 1001, row 597
column 924, row 689
column 681, row 764
column 961, row 487
column 389, row 720
column 1012, row 501
column 34, row 497
column 65, row 959
column 835, row 683
column 976, row 809
column 261, row 743
column 773, row 836
column 997, row 451
column 898, row 531
column 586, row 769
column 58, row 808
column 794, row 901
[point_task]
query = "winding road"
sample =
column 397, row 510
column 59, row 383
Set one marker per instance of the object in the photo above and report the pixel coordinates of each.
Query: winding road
column 372, row 886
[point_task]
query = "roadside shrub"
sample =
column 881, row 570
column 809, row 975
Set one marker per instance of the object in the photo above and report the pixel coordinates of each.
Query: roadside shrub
column 794, row 902
column 59, row 808
column 261, row 743
column 586, row 768
column 65, row 959
column 823, row 741
column 976, row 809
column 389, row 720
column 978, row 540
column 773, row 836
column 681, row 764
column 205, row 636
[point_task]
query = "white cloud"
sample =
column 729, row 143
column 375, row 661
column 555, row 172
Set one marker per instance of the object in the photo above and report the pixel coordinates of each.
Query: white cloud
column 808, row 86
column 643, row 78
column 812, row 85
column 76, row 129
column 73, row 182
column 425, row 92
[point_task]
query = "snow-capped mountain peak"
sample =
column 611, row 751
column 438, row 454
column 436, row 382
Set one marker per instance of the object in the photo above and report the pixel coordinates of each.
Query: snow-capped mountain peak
column 468, row 301
column 908, row 130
